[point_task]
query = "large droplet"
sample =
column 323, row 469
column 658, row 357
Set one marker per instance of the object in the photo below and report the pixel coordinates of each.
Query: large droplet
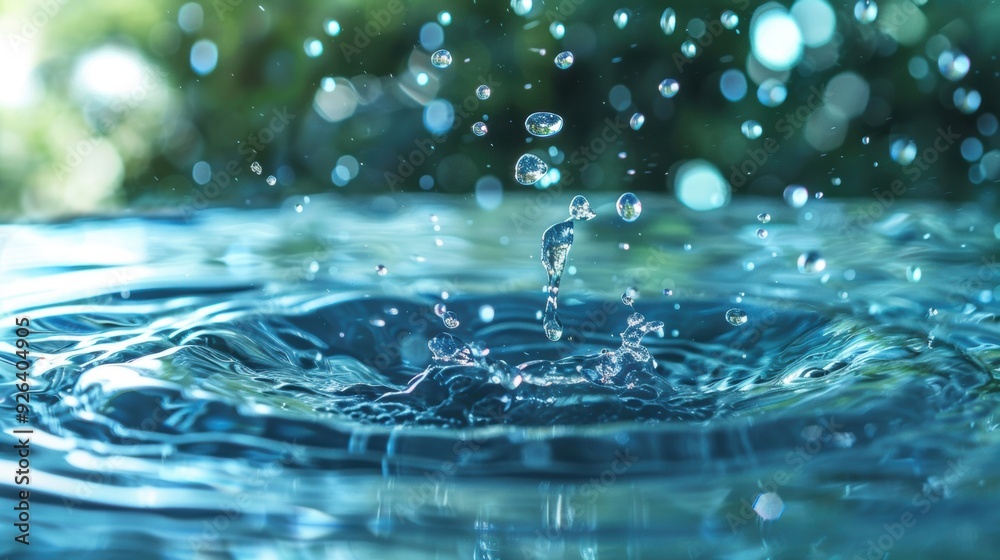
column 529, row 169
column 579, row 208
column 953, row 64
column 729, row 19
column 450, row 319
column 637, row 121
column 543, row 124
column 479, row 128
column 811, row 262
column 768, row 506
column 564, row 60
column 621, row 18
column 668, row 21
column 736, row 316
column 483, row 92
column 751, row 129
column 903, row 151
column 669, row 87
column 865, row 11
column 441, row 58
column 629, row 207
column 556, row 243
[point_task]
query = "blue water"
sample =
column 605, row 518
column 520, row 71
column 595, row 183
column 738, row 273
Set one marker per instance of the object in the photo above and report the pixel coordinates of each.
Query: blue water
column 246, row 385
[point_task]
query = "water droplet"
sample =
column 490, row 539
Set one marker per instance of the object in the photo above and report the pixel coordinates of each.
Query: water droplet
column 761, row 233
column 579, row 208
column 751, row 129
column 441, row 58
column 256, row 168
column 483, row 92
column 543, row 124
column 669, row 87
column 564, row 60
column 903, row 151
column 521, row 7
column 811, row 262
column 439, row 309
column 689, row 49
column 298, row 208
column 486, row 313
column 913, row 274
column 629, row 296
column 450, row 319
column 556, row 243
column 736, row 316
column 621, row 18
column 866, row 140
column 764, row 217
column 637, row 121
column 331, row 27
column 729, row 19
column 796, row 196
column 557, row 29
column 479, row 128
column 529, row 169
column 768, row 506
column 865, row 11
column 953, row 64
column 668, row 21
column 668, row 292
column 381, row 270
column 271, row 180
column 629, row 207
column 444, row 18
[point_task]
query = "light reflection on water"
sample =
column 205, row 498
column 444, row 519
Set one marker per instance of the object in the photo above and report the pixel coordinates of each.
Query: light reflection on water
column 238, row 383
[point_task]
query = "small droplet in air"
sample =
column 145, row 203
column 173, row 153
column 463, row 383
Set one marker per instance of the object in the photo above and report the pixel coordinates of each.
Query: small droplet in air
column 486, row 313
column 557, row 29
column 763, row 217
column 441, row 58
column 628, row 297
column 751, row 129
column 796, row 196
column 256, row 168
column 953, row 64
column 689, row 49
column 668, row 21
column 479, row 128
column 450, row 319
column 483, row 92
column 564, row 60
column 913, row 274
column 629, row 207
column 579, row 208
column 729, row 19
column 668, row 292
column 811, row 262
column 298, row 208
column 271, row 180
column 529, row 169
column 381, row 270
column 543, row 124
column 621, row 18
column 865, row 11
column 669, row 87
column 736, row 316
column 761, row 233
column 521, row 7
column 866, row 140
column 768, row 506
column 439, row 309
column 637, row 121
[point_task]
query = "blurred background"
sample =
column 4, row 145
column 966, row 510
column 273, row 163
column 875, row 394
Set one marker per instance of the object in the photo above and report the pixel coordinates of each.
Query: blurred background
column 167, row 106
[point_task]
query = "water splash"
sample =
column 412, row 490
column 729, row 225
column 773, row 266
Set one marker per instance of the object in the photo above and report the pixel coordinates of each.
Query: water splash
column 556, row 243
column 610, row 364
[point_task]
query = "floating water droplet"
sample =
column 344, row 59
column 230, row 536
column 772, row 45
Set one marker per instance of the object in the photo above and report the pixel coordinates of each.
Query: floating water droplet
column 903, row 151
column 761, row 233
column 629, row 207
column 668, row 292
column 543, row 124
column 486, row 313
column 381, row 270
column 529, row 169
column 736, row 316
column 866, row 140
column 564, row 60
column 729, row 19
column 439, row 309
column 271, row 180
column 621, row 18
column 556, row 243
column 444, row 18
column 669, row 87
column 865, row 11
column 953, row 64
column 298, row 208
column 483, row 92
column 256, row 168
column 331, row 27
column 629, row 296
column 751, row 129
column 689, row 49
column 913, row 274
column 796, row 196
column 637, row 121
column 479, row 128
column 768, row 506
column 441, row 58
column 764, row 217
column 579, row 208
column 450, row 319
column 557, row 29
column 521, row 7
column 668, row 21
column 811, row 262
